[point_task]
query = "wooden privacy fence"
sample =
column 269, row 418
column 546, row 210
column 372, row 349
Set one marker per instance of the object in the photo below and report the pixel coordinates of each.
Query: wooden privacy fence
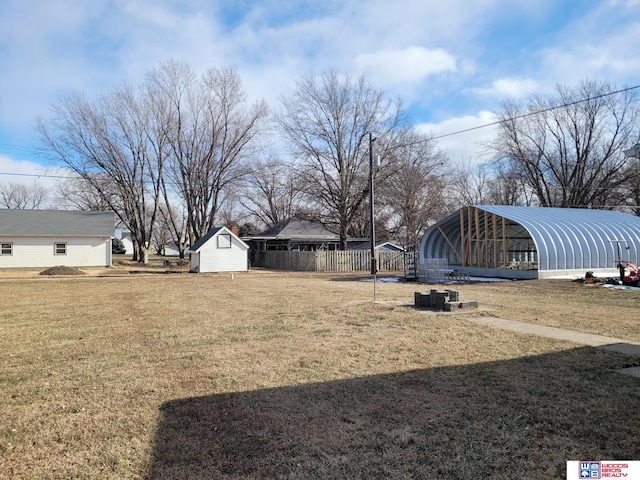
column 328, row 261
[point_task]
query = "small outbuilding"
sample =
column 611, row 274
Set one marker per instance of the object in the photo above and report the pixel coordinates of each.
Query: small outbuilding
column 220, row 250
column 49, row 238
column 531, row 242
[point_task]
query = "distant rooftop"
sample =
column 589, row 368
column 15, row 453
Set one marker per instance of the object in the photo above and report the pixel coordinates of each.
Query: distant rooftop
column 296, row 228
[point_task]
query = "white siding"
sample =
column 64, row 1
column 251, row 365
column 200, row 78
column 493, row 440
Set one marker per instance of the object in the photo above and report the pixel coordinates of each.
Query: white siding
column 39, row 252
column 210, row 258
column 128, row 245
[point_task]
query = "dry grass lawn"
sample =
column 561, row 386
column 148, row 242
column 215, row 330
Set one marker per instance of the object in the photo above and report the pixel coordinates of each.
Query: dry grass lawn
column 113, row 375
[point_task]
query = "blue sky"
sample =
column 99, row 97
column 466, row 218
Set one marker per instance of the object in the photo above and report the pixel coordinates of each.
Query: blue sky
column 452, row 62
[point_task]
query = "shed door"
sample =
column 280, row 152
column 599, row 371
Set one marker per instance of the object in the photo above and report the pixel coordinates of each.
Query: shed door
column 195, row 261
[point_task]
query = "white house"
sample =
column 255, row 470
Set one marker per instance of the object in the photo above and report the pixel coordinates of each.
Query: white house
column 48, row 238
column 220, row 250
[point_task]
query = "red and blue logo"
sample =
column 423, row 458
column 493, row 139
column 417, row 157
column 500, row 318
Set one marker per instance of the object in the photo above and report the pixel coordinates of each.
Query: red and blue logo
column 589, row 469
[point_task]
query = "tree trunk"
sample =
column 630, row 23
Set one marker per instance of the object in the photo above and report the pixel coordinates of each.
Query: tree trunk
column 143, row 255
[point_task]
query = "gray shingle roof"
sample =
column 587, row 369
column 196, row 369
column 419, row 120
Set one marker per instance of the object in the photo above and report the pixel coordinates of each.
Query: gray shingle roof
column 295, row 228
column 68, row 223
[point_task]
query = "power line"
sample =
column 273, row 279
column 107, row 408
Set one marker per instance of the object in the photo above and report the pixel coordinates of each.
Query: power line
column 417, row 142
column 524, row 115
column 39, row 175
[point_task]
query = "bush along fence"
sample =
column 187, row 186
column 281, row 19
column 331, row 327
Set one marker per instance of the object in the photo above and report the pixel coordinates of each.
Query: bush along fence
column 327, row 261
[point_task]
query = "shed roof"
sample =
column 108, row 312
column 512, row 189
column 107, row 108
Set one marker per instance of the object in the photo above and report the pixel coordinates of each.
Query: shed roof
column 212, row 233
column 56, row 223
column 565, row 238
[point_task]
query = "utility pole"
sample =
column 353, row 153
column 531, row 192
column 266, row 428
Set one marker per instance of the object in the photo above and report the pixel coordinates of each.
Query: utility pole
column 374, row 266
column 374, row 262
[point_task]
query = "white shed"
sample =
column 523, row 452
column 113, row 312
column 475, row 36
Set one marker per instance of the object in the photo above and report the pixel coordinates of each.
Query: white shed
column 220, row 250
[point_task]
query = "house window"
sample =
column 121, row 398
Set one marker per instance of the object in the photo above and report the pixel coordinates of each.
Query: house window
column 60, row 248
column 6, row 249
column 224, row 240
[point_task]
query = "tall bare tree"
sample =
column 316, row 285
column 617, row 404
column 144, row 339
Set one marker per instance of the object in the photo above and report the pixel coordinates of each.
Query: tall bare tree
column 327, row 121
column 112, row 144
column 178, row 141
column 211, row 131
column 22, row 196
column 568, row 146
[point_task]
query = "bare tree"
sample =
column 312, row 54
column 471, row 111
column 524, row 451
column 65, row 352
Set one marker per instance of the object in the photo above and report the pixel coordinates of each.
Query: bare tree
column 271, row 191
column 210, row 130
column 231, row 213
column 327, row 121
column 162, row 236
column 79, row 194
column 21, row 196
column 413, row 187
column 172, row 227
column 468, row 183
column 506, row 186
column 568, row 147
column 628, row 195
column 113, row 145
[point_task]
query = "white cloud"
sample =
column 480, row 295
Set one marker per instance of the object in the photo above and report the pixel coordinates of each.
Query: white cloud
column 606, row 61
column 462, row 137
column 412, row 64
column 510, row 87
column 603, row 44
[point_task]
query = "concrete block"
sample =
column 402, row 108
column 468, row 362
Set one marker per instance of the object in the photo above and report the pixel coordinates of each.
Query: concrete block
column 421, row 299
column 437, row 298
column 416, row 298
column 468, row 304
column 452, row 306
column 454, row 295
column 440, row 303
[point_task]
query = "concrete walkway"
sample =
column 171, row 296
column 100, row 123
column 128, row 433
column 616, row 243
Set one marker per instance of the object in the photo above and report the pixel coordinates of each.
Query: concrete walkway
column 600, row 341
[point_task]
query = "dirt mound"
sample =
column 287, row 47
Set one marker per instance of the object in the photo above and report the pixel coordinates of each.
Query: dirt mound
column 62, row 270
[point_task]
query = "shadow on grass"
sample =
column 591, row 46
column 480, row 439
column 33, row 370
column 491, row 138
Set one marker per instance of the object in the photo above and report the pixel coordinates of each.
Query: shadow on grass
column 521, row 418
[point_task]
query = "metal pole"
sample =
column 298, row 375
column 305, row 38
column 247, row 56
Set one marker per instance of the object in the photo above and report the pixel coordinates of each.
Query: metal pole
column 374, row 266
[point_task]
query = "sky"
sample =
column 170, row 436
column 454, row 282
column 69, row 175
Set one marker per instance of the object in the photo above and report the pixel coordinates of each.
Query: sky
column 451, row 62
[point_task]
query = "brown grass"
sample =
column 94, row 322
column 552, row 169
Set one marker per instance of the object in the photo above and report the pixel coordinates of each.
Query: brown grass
column 300, row 376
